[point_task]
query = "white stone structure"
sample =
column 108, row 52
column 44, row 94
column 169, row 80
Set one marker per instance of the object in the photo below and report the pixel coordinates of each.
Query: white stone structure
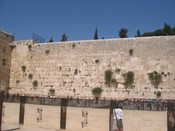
column 74, row 68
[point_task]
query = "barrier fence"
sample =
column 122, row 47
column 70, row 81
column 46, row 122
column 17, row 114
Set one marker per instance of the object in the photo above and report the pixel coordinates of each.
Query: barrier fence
column 128, row 104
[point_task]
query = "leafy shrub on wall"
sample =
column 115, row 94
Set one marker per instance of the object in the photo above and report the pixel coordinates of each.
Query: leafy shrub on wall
column 155, row 78
column 30, row 76
column 35, row 84
column 97, row 93
column 23, row 68
column 158, row 94
column 108, row 77
column 129, row 79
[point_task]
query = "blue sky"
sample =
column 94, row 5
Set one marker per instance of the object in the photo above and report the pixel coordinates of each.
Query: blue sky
column 79, row 18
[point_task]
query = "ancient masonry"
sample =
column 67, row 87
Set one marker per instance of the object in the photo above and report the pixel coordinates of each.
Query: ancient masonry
column 124, row 68
column 5, row 54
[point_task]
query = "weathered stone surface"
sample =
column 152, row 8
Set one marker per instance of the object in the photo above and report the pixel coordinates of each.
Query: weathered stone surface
column 5, row 54
column 75, row 68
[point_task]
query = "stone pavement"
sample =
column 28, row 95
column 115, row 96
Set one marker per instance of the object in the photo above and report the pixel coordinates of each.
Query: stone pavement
column 13, row 127
column 9, row 127
column 26, row 128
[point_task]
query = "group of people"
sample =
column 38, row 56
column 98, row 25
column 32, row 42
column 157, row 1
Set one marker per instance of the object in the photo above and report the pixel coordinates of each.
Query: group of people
column 141, row 104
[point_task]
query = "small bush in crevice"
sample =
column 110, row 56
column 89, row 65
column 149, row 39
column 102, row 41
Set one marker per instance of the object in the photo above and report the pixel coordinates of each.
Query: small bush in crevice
column 30, row 76
column 131, row 52
column 97, row 93
column 108, row 77
column 51, row 92
column 35, row 83
column 158, row 94
column 23, row 68
column 129, row 79
column 155, row 78
column 47, row 52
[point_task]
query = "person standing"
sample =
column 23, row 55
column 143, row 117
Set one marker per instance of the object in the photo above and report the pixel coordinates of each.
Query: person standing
column 118, row 117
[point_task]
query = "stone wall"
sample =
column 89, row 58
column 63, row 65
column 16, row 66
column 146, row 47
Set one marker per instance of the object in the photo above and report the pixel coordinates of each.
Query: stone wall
column 74, row 68
column 5, row 52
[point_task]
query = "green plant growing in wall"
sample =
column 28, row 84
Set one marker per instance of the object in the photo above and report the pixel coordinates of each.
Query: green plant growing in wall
column 108, row 77
column 158, row 94
column 131, row 52
column 30, row 76
column 51, row 92
column 23, row 68
column 97, row 91
column 155, row 78
column 129, row 79
column 35, row 84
